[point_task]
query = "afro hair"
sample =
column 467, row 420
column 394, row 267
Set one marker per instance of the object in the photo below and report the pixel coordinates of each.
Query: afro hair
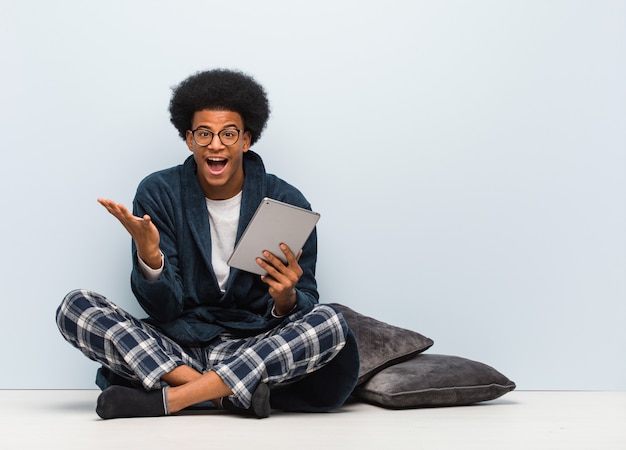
column 220, row 89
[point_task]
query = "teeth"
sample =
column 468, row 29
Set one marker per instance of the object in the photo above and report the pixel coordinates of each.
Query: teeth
column 216, row 159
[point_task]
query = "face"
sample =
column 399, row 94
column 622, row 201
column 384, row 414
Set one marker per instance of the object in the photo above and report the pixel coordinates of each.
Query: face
column 220, row 167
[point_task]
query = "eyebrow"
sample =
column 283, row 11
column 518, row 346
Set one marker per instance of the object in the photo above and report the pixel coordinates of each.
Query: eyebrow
column 209, row 128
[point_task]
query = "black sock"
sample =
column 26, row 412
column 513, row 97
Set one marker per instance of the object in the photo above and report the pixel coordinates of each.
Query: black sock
column 259, row 404
column 119, row 401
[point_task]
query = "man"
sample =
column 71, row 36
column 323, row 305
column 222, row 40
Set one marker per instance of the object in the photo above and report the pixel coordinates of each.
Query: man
column 248, row 343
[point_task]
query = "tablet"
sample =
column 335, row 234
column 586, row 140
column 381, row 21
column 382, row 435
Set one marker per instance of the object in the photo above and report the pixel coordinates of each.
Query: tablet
column 273, row 223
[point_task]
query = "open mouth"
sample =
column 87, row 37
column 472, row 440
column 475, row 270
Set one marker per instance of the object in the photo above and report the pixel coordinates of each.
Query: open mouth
column 216, row 165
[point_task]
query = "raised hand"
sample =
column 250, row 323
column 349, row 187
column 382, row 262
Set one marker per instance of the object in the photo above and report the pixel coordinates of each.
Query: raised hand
column 143, row 231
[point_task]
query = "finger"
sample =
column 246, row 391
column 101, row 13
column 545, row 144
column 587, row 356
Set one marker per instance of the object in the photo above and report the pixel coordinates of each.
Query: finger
column 268, row 266
column 286, row 274
column 123, row 210
column 117, row 209
column 274, row 286
column 270, row 281
column 134, row 225
column 291, row 259
column 273, row 260
column 284, row 280
column 147, row 221
column 276, row 280
column 108, row 204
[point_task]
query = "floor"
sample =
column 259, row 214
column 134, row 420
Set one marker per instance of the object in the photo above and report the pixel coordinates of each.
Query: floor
column 59, row 419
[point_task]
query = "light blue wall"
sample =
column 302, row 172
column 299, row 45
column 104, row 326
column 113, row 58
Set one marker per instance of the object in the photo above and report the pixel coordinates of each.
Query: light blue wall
column 468, row 160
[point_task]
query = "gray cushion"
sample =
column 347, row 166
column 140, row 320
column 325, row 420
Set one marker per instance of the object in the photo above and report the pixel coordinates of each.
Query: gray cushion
column 380, row 344
column 434, row 380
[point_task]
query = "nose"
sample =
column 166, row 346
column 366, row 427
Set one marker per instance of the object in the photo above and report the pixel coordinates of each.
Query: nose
column 216, row 143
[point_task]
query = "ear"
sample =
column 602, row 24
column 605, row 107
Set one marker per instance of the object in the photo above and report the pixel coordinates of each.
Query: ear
column 247, row 138
column 189, row 140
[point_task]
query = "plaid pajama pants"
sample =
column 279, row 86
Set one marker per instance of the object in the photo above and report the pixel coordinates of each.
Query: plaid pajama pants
column 138, row 351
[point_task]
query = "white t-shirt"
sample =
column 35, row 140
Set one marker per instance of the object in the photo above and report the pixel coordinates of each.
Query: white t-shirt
column 224, row 219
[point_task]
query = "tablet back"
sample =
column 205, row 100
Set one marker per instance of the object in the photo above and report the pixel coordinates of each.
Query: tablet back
column 273, row 223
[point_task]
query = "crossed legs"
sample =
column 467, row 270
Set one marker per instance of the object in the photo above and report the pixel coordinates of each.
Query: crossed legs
column 172, row 376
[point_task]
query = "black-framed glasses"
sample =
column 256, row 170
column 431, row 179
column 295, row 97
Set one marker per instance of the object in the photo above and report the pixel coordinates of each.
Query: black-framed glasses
column 203, row 136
